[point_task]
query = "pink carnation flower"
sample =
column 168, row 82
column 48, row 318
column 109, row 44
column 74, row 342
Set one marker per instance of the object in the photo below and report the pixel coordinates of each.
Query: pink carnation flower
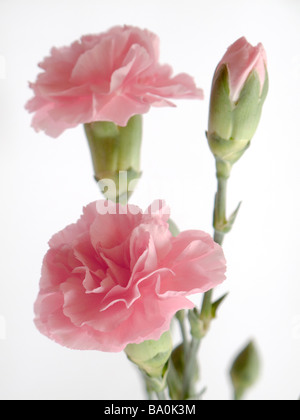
column 107, row 77
column 118, row 277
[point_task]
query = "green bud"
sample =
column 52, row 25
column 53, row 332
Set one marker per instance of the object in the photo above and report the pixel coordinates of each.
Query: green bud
column 233, row 124
column 245, row 370
column 152, row 359
column 116, row 150
column 176, row 373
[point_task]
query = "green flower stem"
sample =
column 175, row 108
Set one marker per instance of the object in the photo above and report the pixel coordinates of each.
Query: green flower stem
column 161, row 395
column 220, row 221
column 188, row 390
column 218, row 237
column 238, row 396
column 150, row 395
column 181, row 315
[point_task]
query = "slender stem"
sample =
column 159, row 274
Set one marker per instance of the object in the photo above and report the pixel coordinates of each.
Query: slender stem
column 190, row 368
column 219, row 237
column 181, row 319
column 150, row 395
column 238, row 395
column 161, row 395
column 191, row 359
column 219, row 221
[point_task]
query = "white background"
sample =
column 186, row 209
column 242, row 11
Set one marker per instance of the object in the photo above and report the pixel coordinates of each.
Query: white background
column 44, row 184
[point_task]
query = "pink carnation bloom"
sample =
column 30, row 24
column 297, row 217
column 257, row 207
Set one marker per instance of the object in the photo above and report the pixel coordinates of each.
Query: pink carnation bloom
column 241, row 59
column 107, row 77
column 115, row 278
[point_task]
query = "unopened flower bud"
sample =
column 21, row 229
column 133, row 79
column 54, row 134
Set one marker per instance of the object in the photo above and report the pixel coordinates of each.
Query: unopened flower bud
column 152, row 359
column 245, row 370
column 115, row 154
column 239, row 89
column 176, row 374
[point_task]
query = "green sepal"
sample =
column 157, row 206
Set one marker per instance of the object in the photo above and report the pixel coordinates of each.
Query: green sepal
column 118, row 186
column 173, row 228
column 115, row 150
column 248, row 108
column 227, row 151
column 220, row 114
column 152, row 358
column 158, row 383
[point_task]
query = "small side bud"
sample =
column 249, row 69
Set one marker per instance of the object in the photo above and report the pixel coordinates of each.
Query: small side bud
column 245, row 370
column 176, row 374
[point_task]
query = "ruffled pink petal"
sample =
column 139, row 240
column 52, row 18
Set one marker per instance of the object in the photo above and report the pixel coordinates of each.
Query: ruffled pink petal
column 64, row 332
column 119, row 277
column 58, row 67
column 118, row 108
column 72, row 232
column 85, row 254
column 57, row 265
column 135, row 63
column 95, row 65
column 48, row 303
column 85, row 309
column 151, row 317
column 179, row 87
column 198, row 263
column 107, row 77
column 108, row 231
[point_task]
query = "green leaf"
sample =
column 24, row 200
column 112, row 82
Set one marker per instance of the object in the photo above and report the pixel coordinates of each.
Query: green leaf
column 230, row 222
column 227, row 225
column 215, row 306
